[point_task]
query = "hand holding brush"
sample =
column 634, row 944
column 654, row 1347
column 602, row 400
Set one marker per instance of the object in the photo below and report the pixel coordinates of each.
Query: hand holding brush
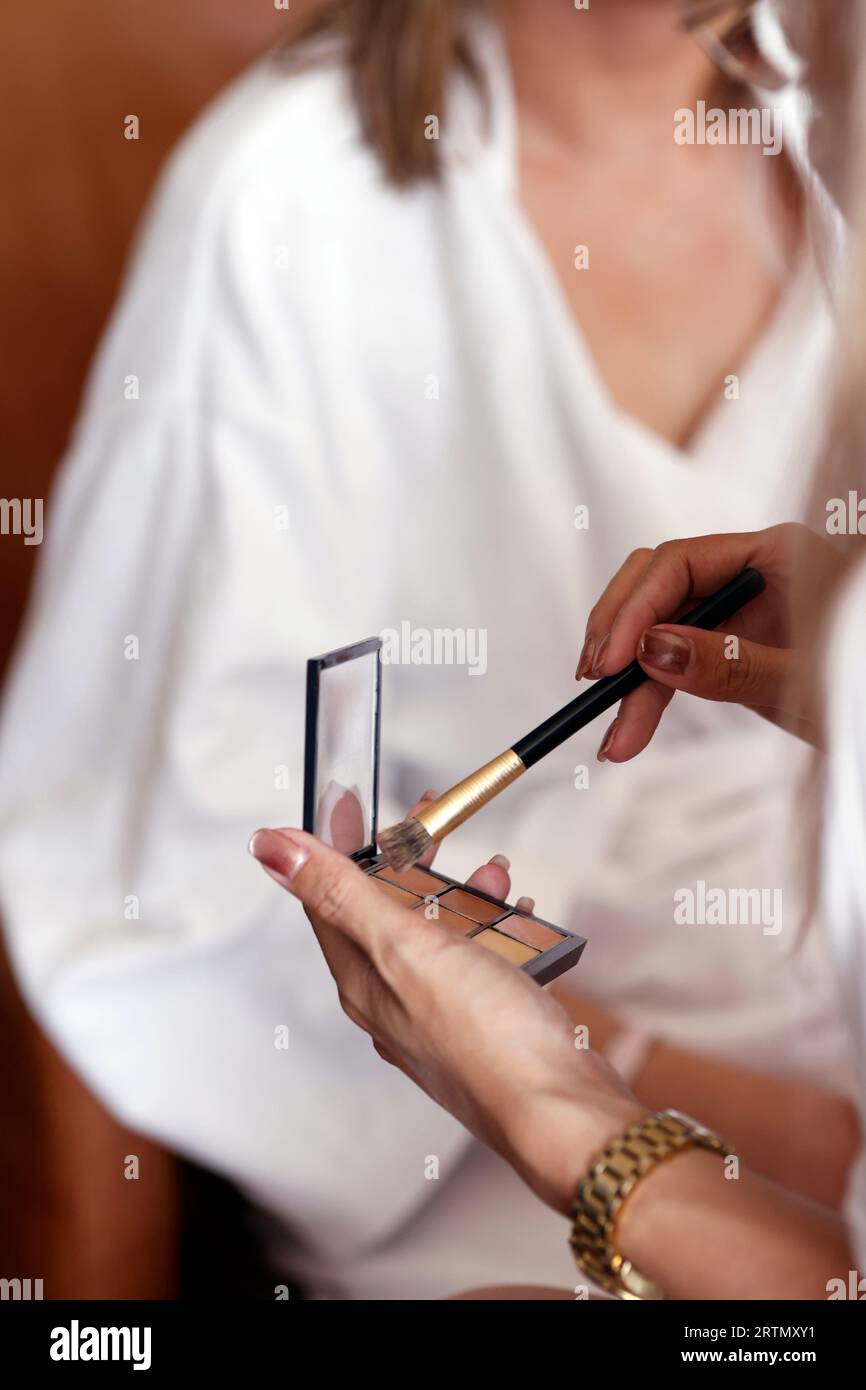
column 405, row 843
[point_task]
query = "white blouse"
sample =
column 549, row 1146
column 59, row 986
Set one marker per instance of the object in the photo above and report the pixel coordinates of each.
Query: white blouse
column 324, row 408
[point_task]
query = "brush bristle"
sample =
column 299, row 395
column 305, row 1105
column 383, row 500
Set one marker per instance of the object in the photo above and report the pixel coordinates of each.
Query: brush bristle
column 405, row 843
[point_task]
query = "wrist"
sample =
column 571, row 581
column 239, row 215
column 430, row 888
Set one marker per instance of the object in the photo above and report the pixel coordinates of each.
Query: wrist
column 555, row 1142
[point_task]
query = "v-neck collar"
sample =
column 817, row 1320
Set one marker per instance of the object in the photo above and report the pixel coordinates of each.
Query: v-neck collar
column 500, row 148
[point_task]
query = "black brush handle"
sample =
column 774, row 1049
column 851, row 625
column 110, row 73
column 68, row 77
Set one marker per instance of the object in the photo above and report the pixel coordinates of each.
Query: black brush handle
column 709, row 613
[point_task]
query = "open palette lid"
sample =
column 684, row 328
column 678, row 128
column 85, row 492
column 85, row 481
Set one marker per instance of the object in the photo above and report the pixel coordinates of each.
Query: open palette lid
column 341, row 749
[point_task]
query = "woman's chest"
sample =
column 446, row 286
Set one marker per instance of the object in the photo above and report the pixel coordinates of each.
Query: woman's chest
column 668, row 280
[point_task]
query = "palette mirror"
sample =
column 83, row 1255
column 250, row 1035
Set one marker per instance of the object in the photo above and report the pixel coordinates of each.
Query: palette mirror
column 341, row 791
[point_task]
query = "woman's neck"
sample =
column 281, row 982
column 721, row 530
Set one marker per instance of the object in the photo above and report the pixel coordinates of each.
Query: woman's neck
column 588, row 77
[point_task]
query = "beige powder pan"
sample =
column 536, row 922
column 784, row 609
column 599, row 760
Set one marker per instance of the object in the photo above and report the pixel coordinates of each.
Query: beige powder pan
column 515, row 951
column 419, row 881
column 478, row 909
column 529, row 931
column 452, row 920
column 407, row 899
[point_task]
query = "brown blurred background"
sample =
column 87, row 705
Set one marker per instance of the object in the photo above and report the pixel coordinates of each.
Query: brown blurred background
column 70, row 71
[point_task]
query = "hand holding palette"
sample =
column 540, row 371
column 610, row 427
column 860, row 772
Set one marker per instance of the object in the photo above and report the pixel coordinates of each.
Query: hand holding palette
column 341, row 795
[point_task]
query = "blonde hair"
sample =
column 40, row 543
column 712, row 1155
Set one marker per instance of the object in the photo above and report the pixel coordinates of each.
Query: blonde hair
column 836, row 60
column 400, row 55
column 833, row 44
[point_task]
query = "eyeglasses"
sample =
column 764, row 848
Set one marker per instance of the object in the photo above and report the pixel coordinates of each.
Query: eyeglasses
column 728, row 32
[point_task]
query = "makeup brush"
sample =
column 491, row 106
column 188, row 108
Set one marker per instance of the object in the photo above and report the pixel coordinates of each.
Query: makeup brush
column 405, row 843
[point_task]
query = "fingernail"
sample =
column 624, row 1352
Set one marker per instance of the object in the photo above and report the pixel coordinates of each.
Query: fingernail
column 429, row 795
column 665, row 651
column 607, row 742
column 279, row 854
column 584, row 661
column 501, row 861
column 526, row 904
column 599, row 654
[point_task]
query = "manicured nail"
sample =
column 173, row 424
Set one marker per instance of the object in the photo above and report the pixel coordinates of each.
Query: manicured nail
column 279, row 854
column 607, row 743
column 665, row 651
column 501, row 861
column 429, row 795
column 584, row 661
column 599, row 655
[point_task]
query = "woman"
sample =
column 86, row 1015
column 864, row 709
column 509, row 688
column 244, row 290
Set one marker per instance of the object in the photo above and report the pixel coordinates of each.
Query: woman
column 415, row 298
column 692, row 1227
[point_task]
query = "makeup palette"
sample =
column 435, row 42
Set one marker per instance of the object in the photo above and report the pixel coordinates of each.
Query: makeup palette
column 341, row 796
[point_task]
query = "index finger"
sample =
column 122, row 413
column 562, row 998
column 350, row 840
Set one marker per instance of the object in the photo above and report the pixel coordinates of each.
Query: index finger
column 600, row 620
column 678, row 572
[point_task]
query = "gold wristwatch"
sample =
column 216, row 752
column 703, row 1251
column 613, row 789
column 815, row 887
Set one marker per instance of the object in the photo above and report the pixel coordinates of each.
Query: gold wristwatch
column 609, row 1182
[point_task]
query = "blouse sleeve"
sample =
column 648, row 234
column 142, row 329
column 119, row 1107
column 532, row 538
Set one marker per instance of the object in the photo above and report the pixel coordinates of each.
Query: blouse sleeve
column 195, row 556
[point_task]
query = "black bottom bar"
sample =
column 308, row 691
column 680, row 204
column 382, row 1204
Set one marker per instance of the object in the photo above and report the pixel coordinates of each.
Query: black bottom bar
column 164, row 1339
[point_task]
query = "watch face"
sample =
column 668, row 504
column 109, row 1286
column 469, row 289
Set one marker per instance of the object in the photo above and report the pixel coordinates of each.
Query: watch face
column 685, row 1120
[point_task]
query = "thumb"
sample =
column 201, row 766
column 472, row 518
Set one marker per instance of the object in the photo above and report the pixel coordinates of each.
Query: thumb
column 332, row 889
column 715, row 665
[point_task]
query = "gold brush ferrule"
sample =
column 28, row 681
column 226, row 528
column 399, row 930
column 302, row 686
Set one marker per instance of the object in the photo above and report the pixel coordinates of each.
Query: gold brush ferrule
column 462, row 801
